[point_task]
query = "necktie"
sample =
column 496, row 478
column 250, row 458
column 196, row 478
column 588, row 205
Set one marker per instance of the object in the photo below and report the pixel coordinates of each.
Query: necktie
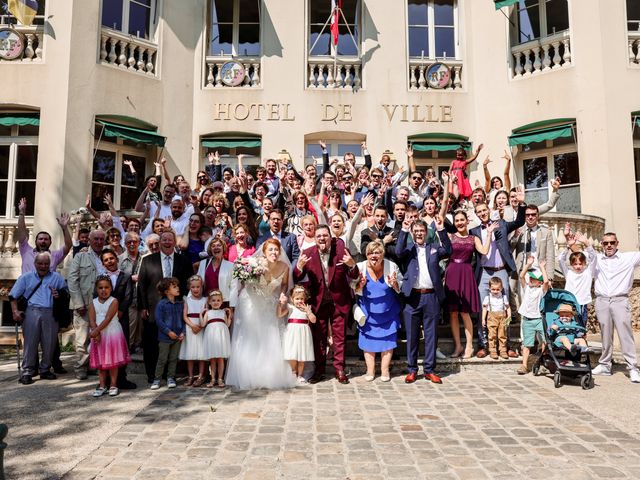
column 167, row 266
column 527, row 244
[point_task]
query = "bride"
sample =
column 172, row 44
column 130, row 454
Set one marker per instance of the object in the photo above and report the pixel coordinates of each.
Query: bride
column 256, row 359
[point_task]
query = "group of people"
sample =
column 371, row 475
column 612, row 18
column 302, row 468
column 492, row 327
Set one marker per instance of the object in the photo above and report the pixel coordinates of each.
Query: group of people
column 247, row 277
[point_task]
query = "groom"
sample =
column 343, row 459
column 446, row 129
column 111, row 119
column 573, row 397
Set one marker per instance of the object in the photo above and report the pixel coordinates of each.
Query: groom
column 327, row 269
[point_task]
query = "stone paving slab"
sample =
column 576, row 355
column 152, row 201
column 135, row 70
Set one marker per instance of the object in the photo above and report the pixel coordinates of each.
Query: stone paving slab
column 477, row 424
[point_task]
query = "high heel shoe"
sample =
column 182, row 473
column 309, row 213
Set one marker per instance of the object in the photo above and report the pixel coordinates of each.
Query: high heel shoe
column 456, row 353
column 468, row 353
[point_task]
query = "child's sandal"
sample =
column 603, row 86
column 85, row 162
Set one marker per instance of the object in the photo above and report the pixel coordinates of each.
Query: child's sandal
column 189, row 382
column 198, row 382
column 220, row 384
column 211, row 384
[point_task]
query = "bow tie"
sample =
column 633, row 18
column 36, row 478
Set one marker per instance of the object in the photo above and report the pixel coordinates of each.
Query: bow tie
column 485, row 225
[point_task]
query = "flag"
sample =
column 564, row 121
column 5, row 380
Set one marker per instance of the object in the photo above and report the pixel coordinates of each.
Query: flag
column 504, row 3
column 335, row 20
column 24, row 10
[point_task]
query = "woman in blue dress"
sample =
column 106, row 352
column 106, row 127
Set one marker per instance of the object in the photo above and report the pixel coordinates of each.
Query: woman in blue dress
column 378, row 309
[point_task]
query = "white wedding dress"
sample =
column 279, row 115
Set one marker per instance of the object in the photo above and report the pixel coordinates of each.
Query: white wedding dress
column 256, row 359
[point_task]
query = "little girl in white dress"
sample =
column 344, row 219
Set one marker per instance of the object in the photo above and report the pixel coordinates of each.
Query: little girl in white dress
column 217, row 341
column 297, row 343
column 191, row 349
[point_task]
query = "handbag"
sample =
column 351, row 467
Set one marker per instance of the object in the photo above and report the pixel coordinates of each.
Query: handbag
column 61, row 312
column 23, row 302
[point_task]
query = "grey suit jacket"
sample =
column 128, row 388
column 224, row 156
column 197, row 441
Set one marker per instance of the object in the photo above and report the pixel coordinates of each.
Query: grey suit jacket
column 545, row 249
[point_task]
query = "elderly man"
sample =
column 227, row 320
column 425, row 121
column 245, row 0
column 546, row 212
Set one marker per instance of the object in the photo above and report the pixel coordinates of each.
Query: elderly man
column 84, row 269
column 39, row 288
column 614, row 279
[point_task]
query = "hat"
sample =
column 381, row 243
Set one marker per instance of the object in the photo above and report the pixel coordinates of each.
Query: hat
column 536, row 275
column 219, row 185
column 177, row 198
column 565, row 308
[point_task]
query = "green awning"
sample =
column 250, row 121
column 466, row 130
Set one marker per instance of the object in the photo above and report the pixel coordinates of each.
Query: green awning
column 137, row 135
column 231, row 142
column 440, row 146
column 542, row 134
column 552, row 122
column 638, row 121
column 437, row 136
column 20, row 119
column 504, row 3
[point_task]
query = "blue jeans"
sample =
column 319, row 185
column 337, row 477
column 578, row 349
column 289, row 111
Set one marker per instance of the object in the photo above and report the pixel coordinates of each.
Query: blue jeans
column 483, row 288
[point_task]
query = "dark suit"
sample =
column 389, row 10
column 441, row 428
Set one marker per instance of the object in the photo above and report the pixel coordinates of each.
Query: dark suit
column 148, row 297
column 288, row 241
column 369, row 234
column 330, row 302
column 422, row 308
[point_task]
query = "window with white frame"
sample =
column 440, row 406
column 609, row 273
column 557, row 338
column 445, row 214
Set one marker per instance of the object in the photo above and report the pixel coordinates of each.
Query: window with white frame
column 541, row 162
column 336, row 149
column 320, row 38
column 18, row 168
column 119, row 168
column 433, row 29
column 433, row 160
column 633, row 15
column 6, row 18
column 234, row 28
column 133, row 17
column 536, row 19
column 229, row 157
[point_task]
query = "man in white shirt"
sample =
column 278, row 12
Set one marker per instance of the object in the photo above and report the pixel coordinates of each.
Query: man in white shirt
column 614, row 279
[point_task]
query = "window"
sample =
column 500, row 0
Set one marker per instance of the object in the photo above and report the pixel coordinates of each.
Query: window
column 336, row 149
column 546, row 160
column 320, row 39
column 111, row 175
column 6, row 18
column 18, row 168
column 533, row 19
column 134, row 17
column 234, row 28
column 633, row 15
column 433, row 159
column 432, row 28
column 229, row 157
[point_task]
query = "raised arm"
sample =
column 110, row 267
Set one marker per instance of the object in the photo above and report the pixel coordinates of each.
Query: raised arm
column 487, row 175
column 507, row 170
column 22, row 233
column 165, row 172
column 63, row 221
column 475, row 155
column 445, row 198
column 367, row 156
column 553, row 198
column 410, row 161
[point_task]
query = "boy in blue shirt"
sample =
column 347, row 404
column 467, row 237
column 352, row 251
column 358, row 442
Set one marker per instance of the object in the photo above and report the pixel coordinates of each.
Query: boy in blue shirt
column 170, row 330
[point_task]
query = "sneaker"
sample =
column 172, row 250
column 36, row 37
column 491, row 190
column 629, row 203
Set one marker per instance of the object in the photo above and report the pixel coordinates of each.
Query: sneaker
column 100, row 391
column 114, row 391
column 601, row 370
column 155, row 385
column 171, row 383
column 302, row 381
column 440, row 355
column 47, row 376
column 634, row 376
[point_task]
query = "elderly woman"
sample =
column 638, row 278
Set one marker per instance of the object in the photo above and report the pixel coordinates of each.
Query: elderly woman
column 308, row 237
column 217, row 273
column 378, row 309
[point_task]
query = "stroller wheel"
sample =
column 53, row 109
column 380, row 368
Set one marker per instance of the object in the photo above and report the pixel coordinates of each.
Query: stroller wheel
column 587, row 382
column 557, row 379
column 536, row 369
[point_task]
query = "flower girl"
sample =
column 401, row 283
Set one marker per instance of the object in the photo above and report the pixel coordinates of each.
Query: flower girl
column 191, row 349
column 216, row 342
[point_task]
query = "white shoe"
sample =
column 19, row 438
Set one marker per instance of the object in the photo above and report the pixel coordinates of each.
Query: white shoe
column 155, row 385
column 114, row 392
column 440, row 355
column 601, row 370
column 369, row 378
column 171, row 383
column 99, row 391
column 634, row 376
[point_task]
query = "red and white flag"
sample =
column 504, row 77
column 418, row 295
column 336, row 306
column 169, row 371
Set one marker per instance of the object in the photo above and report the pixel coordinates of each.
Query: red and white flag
column 335, row 20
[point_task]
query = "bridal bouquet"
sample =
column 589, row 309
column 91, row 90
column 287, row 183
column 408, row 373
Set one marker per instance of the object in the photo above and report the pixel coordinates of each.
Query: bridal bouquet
column 249, row 269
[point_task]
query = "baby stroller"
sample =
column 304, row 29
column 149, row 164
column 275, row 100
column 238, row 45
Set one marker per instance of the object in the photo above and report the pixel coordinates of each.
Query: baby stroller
column 560, row 361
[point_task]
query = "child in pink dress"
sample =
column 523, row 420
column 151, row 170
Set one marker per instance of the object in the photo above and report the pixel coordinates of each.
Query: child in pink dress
column 458, row 169
column 109, row 349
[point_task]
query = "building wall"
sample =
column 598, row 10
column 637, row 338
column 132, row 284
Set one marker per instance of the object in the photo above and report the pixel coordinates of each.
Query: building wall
column 71, row 87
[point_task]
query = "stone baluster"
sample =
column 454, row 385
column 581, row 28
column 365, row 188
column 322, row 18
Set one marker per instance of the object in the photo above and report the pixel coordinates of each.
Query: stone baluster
column 413, row 81
column 338, row 75
column 537, row 64
column 567, row 53
column 3, row 232
column 518, row 70
column 218, row 76
column 556, row 55
column 150, row 64
column 356, row 77
column 28, row 51
column 321, row 79
column 39, row 39
column 255, row 80
column 312, row 75
column 422, row 81
column 122, row 58
column 10, row 244
column 210, row 77
column 330, row 80
column 131, row 61
column 546, row 61
column 632, row 56
column 112, row 51
column 457, row 79
column 246, row 82
column 141, row 63
column 528, row 66
column 103, row 48
column 637, row 44
column 348, row 77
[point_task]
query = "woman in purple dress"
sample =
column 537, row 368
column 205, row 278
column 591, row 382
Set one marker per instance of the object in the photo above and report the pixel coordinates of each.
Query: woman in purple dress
column 462, row 297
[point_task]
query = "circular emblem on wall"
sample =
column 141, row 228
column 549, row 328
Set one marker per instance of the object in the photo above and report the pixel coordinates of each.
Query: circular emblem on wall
column 438, row 75
column 12, row 44
column 232, row 74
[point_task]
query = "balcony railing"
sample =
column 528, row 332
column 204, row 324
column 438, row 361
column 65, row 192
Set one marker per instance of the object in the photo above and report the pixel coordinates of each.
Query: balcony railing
column 590, row 225
column 213, row 77
column 634, row 48
column 344, row 73
column 418, row 68
column 34, row 50
column 541, row 55
column 128, row 52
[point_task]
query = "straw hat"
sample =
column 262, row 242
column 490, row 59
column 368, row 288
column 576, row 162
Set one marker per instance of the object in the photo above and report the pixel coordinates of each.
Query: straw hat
column 565, row 308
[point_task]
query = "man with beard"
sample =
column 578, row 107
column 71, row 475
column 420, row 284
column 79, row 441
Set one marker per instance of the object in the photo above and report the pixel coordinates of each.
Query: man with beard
column 380, row 231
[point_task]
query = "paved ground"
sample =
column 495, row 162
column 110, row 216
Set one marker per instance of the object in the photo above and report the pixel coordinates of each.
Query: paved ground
column 484, row 422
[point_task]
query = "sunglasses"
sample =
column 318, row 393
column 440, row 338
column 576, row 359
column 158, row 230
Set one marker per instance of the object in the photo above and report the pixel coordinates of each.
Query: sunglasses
column 128, row 242
column 347, row 178
column 416, row 178
column 376, row 176
column 530, row 214
column 609, row 243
